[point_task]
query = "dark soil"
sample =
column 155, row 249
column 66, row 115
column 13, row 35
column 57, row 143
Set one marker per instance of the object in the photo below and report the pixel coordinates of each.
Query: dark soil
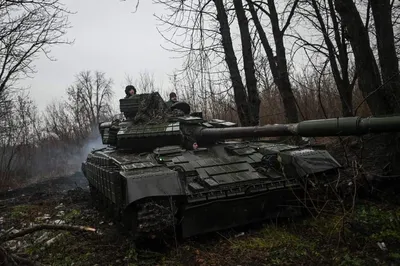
column 58, row 184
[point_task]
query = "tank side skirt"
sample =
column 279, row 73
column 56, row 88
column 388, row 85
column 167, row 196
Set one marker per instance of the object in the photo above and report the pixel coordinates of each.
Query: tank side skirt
column 229, row 213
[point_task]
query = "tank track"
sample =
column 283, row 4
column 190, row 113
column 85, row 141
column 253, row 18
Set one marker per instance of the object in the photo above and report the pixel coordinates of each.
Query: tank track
column 156, row 218
column 152, row 218
column 148, row 218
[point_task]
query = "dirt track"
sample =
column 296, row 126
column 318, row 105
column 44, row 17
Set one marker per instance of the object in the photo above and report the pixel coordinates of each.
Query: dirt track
column 59, row 184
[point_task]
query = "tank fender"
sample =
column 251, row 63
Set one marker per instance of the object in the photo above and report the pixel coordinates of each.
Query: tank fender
column 164, row 182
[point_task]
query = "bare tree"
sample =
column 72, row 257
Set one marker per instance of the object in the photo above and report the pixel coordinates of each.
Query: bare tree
column 70, row 124
column 247, row 103
column 27, row 28
column 58, row 121
column 333, row 48
column 204, row 26
column 17, row 138
column 381, row 97
column 248, row 62
column 278, row 62
column 145, row 82
column 388, row 60
column 396, row 24
column 89, row 98
column 186, row 86
column 204, row 73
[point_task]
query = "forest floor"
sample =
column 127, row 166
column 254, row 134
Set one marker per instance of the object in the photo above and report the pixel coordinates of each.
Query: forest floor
column 360, row 231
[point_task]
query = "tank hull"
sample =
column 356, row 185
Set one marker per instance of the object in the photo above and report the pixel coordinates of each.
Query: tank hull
column 191, row 192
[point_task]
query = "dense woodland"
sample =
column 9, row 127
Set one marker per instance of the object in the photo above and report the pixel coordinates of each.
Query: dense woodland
column 253, row 62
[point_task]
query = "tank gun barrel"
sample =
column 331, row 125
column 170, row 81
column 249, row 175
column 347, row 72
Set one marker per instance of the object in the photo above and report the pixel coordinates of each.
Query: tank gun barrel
column 342, row 126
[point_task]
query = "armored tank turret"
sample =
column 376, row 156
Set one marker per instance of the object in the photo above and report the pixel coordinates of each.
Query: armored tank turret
column 167, row 169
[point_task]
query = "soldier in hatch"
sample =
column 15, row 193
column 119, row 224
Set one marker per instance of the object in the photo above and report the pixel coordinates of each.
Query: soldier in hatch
column 130, row 90
column 172, row 99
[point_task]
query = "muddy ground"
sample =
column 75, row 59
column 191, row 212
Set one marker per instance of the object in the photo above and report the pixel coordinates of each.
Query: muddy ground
column 365, row 231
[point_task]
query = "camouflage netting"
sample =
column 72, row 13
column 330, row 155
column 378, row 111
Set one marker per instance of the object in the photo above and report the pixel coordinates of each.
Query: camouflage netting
column 153, row 110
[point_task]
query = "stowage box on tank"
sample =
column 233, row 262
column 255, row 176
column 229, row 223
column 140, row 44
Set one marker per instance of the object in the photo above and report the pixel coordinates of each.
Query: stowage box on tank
column 169, row 169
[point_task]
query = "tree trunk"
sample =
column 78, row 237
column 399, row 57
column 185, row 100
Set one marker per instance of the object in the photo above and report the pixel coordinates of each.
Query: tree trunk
column 289, row 101
column 342, row 81
column 366, row 66
column 388, row 60
column 230, row 58
column 248, row 61
column 346, row 98
column 278, row 67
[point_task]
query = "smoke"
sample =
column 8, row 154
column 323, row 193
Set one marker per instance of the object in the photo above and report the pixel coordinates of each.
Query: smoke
column 58, row 159
column 93, row 142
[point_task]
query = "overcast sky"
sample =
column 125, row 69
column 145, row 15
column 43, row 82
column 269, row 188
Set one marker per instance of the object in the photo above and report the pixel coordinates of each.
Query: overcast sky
column 108, row 37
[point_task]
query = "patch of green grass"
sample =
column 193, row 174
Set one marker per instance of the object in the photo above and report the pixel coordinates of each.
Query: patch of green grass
column 270, row 237
column 132, row 257
column 67, row 250
column 71, row 215
column 326, row 226
column 276, row 245
column 394, row 255
column 20, row 211
column 349, row 260
column 377, row 223
column 28, row 212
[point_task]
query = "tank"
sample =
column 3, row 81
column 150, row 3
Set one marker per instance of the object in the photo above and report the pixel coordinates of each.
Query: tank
column 169, row 170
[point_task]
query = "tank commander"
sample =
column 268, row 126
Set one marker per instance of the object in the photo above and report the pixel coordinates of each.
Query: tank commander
column 130, row 90
column 172, row 99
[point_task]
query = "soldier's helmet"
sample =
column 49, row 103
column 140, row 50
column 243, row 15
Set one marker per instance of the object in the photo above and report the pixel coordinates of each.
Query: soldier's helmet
column 129, row 88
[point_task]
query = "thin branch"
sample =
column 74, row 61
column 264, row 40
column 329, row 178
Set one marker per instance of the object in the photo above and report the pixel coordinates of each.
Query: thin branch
column 36, row 228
